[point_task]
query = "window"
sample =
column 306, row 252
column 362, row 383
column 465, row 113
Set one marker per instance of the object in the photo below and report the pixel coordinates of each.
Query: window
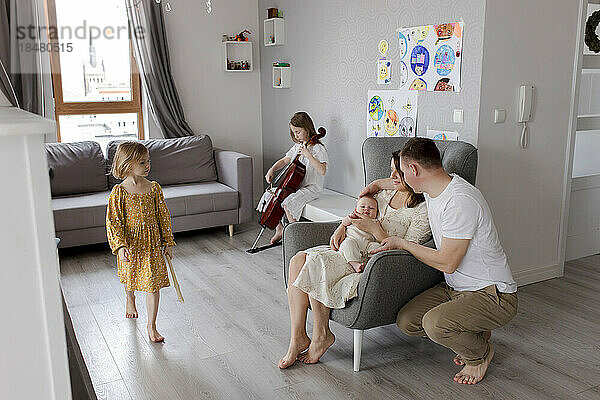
column 95, row 78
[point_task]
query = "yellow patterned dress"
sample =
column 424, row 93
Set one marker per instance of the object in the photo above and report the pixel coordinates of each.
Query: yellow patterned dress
column 142, row 223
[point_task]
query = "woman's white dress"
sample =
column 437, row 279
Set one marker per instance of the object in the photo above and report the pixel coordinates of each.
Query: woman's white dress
column 325, row 275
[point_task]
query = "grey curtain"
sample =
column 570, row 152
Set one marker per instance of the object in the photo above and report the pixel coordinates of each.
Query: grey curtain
column 20, row 69
column 147, row 27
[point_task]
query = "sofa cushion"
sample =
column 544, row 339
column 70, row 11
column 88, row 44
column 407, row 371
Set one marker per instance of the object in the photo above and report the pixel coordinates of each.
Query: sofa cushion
column 76, row 168
column 200, row 198
column 79, row 212
column 175, row 161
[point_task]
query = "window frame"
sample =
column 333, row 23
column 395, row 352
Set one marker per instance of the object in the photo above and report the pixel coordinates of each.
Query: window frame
column 93, row 107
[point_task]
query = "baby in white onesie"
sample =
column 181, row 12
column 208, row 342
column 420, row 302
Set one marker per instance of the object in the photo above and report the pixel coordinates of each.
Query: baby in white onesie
column 356, row 246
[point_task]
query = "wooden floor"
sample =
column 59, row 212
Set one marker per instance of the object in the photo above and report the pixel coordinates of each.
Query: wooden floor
column 225, row 340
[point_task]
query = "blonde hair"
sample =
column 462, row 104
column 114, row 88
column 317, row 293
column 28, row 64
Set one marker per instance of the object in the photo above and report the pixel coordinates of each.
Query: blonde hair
column 126, row 155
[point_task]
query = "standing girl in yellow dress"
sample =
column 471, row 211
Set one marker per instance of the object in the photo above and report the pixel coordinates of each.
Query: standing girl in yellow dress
column 138, row 226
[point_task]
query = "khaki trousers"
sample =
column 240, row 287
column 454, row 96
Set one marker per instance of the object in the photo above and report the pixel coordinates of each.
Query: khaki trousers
column 456, row 319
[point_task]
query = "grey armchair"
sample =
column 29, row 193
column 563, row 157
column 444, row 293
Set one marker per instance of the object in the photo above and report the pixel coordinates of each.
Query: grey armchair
column 392, row 278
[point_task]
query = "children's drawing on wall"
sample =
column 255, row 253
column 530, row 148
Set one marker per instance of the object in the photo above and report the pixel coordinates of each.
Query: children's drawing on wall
column 391, row 113
column 384, row 77
column 433, row 54
column 441, row 135
column 384, row 66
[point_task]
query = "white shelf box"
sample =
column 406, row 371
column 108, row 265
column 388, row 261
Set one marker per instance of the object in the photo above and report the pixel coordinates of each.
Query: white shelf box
column 237, row 52
column 282, row 77
column 274, row 32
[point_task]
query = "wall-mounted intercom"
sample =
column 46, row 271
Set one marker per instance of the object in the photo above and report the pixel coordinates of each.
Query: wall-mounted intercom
column 524, row 109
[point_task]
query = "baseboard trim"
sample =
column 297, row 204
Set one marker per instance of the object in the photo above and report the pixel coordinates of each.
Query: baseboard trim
column 537, row 274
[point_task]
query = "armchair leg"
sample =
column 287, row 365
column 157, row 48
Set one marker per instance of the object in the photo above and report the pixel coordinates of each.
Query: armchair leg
column 358, row 338
column 230, row 230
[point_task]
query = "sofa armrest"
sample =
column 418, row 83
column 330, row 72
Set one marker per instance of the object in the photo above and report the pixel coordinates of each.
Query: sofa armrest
column 389, row 281
column 235, row 170
column 304, row 235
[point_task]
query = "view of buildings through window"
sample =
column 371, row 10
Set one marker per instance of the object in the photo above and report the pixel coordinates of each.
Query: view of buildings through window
column 98, row 100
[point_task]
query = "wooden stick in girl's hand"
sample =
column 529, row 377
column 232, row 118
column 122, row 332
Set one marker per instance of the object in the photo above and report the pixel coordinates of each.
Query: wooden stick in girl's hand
column 175, row 283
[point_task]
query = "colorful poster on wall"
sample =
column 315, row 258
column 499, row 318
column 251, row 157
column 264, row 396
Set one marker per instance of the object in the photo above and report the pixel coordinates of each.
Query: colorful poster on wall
column 441, row 135
column 431, row 56
column 391, row 113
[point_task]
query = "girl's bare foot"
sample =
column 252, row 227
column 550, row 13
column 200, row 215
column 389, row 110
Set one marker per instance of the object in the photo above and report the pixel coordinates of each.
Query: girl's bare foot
column 317, row 348
column 471, row 374
column 278, row 234
column 154, row 336
column 130, row 310
column 458, row 359
column 297, row 346
column 357, row 266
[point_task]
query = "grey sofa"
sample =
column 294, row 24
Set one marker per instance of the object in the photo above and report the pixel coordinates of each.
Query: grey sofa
column 203, row 187
column 392, row 278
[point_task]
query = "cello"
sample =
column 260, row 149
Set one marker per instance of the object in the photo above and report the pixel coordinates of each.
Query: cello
column 287, row 182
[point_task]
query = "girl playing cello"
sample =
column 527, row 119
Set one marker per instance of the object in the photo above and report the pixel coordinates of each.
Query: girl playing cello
column 314, row 157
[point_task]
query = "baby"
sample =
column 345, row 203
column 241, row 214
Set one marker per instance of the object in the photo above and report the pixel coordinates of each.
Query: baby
column 357, row 244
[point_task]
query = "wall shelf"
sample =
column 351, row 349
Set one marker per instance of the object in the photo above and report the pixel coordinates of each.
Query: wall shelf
column 274, row 32
column 237, row 52
column 282, row 77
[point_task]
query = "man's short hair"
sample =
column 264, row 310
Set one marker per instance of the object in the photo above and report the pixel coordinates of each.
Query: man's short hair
column 422, row 151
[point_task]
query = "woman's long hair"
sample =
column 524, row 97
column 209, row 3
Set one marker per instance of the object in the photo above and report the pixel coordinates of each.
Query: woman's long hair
column 301, row 119
column 414, row 199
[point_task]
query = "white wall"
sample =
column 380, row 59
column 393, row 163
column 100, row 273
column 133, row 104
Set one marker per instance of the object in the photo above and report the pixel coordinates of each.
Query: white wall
column 224, row 105
column 524, row 187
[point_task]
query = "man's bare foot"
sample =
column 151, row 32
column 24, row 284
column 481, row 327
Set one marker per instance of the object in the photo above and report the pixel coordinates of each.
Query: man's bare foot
column 357, row 266
column 278, row 234
column 458, row 359
column 154, row 336
column 316, row 349
column 130, row 310
column 297, row 346
column 471, row 374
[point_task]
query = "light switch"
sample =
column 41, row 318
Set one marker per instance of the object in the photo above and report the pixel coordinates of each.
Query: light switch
column 458, row 116
column 499, row 116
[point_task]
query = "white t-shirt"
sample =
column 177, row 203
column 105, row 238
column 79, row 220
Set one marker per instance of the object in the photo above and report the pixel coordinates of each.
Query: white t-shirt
column 461, row 212
column 312, row 179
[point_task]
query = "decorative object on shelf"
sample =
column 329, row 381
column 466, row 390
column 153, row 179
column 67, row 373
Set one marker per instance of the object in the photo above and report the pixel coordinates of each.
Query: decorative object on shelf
column 274, row 33
column 238, row 65
column 592, row 41
column 208, row 7
column 272, row 13
column 391, row 113
column 240, row 36
column 430, row 57
column 384, row 66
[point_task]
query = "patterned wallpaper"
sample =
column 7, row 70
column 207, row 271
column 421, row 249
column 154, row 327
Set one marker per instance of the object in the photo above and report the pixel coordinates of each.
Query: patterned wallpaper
column 332, row 46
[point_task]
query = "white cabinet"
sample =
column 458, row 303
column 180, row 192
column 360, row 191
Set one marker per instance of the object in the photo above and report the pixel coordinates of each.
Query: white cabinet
column 34, row 354
column 282, row 77
column 274, row 32
column 237, row 56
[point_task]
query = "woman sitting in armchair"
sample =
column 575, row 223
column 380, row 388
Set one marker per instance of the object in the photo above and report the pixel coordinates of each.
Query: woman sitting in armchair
column 320, row 275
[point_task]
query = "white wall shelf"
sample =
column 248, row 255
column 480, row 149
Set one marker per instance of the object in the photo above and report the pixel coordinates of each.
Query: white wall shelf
column 274, row 32
column 237, row 52
column 282, row 77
